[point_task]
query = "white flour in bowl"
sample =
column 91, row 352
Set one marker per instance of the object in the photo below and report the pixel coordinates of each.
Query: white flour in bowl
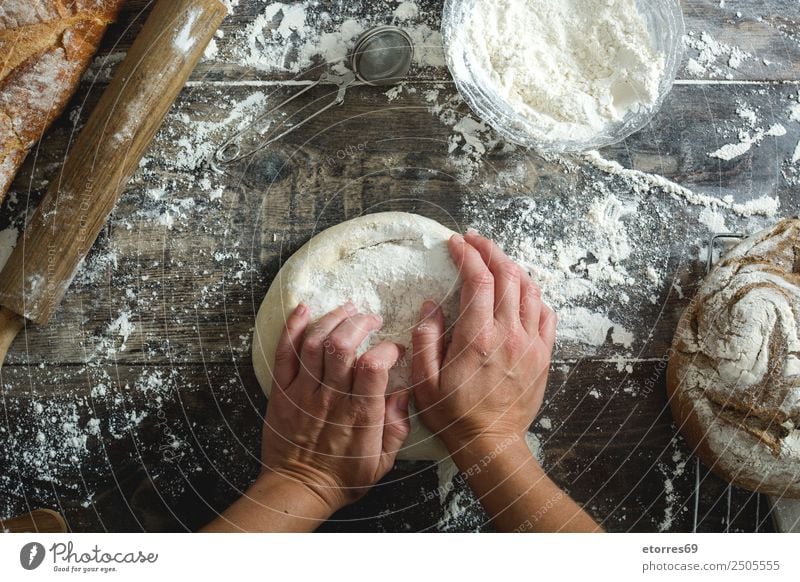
column 571, row 67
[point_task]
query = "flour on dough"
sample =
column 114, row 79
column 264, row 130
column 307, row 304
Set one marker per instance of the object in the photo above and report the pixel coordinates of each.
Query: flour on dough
column 388, row 264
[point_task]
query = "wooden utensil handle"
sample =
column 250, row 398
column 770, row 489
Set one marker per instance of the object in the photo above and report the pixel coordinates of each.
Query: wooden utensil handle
column 10, row 326
column 105, row 155
column 37, row 521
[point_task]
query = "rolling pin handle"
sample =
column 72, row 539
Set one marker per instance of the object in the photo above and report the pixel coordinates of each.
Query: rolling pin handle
column 10, row 326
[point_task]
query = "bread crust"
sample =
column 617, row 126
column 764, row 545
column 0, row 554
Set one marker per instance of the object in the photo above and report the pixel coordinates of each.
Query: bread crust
column 745, row 427
column 46, row 46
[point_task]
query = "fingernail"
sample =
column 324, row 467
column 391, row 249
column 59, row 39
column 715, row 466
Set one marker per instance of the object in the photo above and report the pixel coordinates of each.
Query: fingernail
column 378, row 319
column 458, row 239
column 473, row 232
column 350, row 309
column 301, row 309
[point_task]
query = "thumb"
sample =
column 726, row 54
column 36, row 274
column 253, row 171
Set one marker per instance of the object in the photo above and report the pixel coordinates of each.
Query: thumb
column 396, row 427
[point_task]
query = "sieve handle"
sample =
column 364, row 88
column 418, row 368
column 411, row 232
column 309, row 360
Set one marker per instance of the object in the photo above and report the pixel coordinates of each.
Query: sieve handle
column 230, row 151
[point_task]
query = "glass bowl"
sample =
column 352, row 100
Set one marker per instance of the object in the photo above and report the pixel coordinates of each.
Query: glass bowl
column 664, row 20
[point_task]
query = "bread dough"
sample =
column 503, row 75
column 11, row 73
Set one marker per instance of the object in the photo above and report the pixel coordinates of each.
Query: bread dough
column 734, row 372
column 388, row 264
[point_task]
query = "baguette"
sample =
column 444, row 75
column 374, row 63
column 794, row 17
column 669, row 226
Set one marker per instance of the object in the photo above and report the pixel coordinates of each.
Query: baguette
column 45, row 47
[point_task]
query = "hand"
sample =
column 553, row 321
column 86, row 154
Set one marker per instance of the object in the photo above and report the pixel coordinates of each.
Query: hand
column 481, row 393
column 490, row 380
column 330, row 428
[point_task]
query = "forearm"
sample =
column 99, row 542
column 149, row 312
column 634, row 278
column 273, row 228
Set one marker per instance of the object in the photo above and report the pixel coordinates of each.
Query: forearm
column 515, row 491
column 274, row 503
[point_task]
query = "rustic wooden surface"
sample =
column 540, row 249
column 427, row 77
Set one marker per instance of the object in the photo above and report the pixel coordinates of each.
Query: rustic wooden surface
column 178, row 404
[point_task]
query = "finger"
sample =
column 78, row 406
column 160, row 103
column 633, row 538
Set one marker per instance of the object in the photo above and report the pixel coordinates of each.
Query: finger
column 396, row 427
column 477, row 293
column 547, row 326
column 530, row 308
column 506, row 278
column 372, row 370
column 287, row 353
column 312, row 354
column 340, row 349
column 427, row 348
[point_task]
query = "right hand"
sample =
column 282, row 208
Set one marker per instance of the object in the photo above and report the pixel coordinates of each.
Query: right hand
column 489, row 382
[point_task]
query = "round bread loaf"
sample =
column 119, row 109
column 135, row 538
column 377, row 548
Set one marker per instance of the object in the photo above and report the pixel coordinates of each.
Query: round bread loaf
column 734, row 371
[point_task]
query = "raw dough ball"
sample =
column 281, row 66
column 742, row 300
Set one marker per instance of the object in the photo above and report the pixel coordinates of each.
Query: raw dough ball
column 388, row 264
column 734, row 372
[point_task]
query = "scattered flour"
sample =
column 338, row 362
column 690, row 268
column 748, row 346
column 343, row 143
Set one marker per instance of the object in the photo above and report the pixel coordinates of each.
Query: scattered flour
column 794, row 112
column 184, row 40
column 211, row 51
column 748, row 139
column 102, row 67
column 406, row 11
column 122, row 327
column 471, row 139
column 230, row 5
column 644, row 182
column 712, row 58
column 732, row 150
column 791, row 168
column 672, row 499
column 461, row 510
column 56, row 445
column 713, row 219
column 581, row 325
column 577, row 267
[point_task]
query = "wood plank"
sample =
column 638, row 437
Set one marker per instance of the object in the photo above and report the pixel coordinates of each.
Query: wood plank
column 176, row 443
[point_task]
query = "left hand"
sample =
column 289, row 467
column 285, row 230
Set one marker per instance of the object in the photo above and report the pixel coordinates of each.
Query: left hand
column 330, row 427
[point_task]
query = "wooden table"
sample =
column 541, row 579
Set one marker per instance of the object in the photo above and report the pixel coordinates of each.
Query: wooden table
column 153, row 340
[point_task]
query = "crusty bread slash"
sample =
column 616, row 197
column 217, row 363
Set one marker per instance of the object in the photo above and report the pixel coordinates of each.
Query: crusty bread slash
column 45, row 47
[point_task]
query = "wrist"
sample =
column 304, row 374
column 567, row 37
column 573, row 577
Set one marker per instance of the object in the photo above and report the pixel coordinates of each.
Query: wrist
column 460, row 437
column 274, row 503
column 291, row 494
column 476, row 453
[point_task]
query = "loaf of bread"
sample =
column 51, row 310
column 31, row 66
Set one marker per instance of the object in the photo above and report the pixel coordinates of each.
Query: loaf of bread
column 734, row 372
column 45, row 46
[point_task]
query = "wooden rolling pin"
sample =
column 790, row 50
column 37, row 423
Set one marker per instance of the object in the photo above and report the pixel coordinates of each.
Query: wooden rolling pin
column 38, row 521
column 105, row 155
